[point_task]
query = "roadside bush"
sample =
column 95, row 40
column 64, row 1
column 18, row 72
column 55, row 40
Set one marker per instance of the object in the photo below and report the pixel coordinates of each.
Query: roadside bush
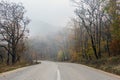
column 114, row 60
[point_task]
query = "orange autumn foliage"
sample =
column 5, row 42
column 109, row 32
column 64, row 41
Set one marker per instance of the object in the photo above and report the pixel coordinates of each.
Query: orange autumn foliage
column 115, row 47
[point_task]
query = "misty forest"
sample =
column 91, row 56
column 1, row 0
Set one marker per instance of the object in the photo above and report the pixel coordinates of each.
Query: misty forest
column 91, row 37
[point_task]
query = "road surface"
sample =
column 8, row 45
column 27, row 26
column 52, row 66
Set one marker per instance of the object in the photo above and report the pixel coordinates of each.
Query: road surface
column 57, row 71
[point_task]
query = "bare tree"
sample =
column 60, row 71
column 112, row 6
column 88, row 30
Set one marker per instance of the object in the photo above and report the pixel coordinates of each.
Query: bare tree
column 12, row 26
column 91, row 15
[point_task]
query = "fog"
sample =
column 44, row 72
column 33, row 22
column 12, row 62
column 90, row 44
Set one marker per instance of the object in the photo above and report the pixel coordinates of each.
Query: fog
column 48, row 19
column 47, row 16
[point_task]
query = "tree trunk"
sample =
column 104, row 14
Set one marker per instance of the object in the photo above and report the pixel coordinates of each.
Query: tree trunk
column 108, row 49
column 14, row 56
column 13, row 59
column 1, row 58
column 94, row 48
column 8, row 59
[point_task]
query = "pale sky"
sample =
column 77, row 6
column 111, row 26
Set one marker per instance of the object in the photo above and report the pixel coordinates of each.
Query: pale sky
column 43, row 13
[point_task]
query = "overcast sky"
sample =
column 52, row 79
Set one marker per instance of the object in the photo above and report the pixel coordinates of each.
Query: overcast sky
column 47, row 13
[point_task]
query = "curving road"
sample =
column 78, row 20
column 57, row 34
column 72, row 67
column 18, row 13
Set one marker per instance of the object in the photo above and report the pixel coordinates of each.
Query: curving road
column 57, row 71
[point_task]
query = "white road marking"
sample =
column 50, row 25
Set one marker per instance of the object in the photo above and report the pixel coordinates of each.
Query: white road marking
column 58, row 75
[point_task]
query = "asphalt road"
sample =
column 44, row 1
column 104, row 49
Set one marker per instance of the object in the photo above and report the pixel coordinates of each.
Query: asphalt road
column 57, row 71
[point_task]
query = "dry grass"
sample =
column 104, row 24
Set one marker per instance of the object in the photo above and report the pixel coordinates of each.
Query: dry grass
column 111, row 65
column 5, row 68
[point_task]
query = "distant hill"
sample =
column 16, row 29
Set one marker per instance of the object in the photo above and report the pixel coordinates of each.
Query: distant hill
column 43, row 29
